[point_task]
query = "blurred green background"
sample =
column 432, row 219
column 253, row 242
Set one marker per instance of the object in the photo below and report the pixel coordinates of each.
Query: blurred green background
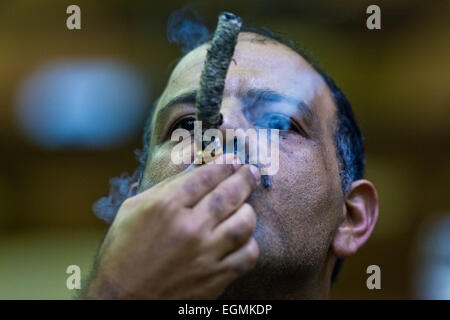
column 396, row 78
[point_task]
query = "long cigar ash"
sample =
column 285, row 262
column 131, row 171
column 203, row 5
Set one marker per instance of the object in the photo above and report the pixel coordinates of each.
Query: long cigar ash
column 212, row 81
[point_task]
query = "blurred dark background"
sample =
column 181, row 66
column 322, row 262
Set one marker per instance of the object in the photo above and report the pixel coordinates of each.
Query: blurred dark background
column 72, row 106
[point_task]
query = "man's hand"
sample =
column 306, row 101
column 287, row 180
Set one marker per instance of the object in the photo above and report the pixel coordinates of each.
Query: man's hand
column 188, row 237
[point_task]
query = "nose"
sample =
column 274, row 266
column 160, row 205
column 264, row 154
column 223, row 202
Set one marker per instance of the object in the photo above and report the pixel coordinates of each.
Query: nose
column 233, row 116
column 234, row 119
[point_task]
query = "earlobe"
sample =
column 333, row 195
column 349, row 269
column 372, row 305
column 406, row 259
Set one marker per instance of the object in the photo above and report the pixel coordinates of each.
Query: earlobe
column 360, row 217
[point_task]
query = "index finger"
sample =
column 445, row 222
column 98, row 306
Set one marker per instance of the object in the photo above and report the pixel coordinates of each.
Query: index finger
column 193, row 185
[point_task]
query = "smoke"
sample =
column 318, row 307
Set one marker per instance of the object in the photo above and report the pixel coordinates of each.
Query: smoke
column 120, row 189
column 185, row 29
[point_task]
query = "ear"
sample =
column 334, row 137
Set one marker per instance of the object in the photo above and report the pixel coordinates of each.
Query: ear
column 360, row 217
column 133, row 189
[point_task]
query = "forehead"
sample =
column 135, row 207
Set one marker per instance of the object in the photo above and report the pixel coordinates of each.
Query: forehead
column 258, row 62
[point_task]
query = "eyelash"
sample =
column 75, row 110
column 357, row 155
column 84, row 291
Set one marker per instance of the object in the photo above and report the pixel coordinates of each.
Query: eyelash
column 181, row 121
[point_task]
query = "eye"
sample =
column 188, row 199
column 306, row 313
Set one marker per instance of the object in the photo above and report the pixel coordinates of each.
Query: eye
column 275, row 121
column 186, row 123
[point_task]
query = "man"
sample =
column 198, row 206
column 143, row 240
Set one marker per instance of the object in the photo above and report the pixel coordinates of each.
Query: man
column 215, row 231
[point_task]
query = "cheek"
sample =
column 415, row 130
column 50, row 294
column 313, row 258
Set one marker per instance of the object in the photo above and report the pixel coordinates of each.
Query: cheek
column 310, row 170
column 305, row 197
column 160, row 166
column 303, row 180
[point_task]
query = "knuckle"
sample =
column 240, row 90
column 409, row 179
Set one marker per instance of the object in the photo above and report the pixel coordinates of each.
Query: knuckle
column 151, row 206
column 203, row 266
column 167, row 203
column 216, row 204
column 188, row 231
column 233, row 195
column 236, row 236
column 189, row 188
column 154, row 208
column 203, row 178
column 241, row 233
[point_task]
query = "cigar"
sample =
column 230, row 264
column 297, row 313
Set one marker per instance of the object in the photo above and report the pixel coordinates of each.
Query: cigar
column 212, row 80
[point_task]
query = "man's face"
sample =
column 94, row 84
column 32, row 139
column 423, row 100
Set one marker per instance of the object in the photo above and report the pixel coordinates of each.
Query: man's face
column 299, row 213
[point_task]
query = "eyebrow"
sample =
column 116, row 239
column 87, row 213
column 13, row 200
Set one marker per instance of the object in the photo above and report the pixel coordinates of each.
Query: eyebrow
column 264, row 95
column 185, row 98
column 251, row 96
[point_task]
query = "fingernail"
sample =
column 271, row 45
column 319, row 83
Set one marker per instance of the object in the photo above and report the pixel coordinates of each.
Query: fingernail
column 256, row 173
